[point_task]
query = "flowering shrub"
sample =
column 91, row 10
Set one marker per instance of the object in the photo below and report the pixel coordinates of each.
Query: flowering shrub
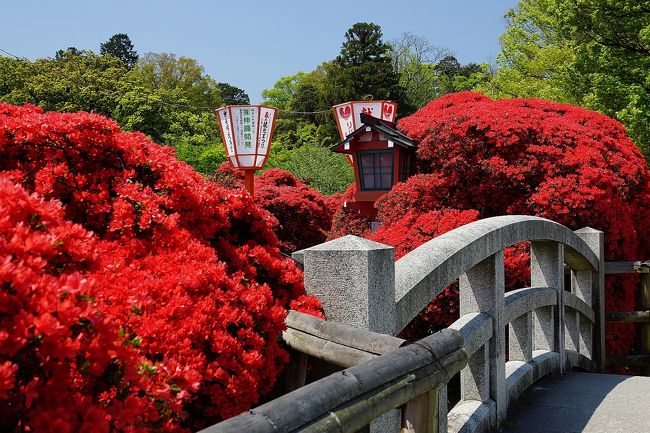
column 186, row 273
column 303, row 213
column 532, row 157
column 63, row 366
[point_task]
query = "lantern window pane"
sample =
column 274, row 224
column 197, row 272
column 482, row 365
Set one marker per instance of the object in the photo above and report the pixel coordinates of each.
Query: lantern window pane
column 247, row 160
column 376, row 170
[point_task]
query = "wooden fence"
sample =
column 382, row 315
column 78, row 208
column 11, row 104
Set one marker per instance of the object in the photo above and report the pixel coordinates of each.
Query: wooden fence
column 642, row 317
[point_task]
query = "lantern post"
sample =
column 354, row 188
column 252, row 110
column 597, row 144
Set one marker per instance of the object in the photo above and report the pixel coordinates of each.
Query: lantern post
column 249, row 181
column 246, row 131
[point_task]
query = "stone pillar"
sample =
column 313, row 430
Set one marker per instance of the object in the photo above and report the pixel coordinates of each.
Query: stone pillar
column 595, row 239
column 354, row 279
column 442, row 408
column 482, row 289
column 521, row 338
column 582, row 287
column 547, row 270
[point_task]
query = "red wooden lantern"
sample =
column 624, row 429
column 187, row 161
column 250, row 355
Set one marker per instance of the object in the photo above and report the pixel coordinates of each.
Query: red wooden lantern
column 246, row 131
column 380, row 155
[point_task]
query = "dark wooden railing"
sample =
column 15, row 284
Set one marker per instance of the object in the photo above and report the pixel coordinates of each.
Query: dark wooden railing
column 641, row 317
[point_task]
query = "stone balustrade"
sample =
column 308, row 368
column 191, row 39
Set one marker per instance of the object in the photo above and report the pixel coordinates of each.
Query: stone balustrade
column 550, row 327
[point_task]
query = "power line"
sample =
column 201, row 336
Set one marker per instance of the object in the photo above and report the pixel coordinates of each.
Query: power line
column 169, row 104
column 13, row 55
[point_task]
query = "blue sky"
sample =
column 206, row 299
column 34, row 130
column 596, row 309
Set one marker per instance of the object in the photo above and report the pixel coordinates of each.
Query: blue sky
column 249, row 43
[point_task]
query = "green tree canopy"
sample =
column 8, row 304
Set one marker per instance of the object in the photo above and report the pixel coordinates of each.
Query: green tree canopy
column 70, row 51
column 283, row 91
column 74, row 81
column 427, row 72
column 363, row 68
column 169, row 99
column 232, row 95
column 119, row 46
column 414, row 59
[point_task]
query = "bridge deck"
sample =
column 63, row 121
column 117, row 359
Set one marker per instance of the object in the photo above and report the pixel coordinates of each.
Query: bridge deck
column 584, row 402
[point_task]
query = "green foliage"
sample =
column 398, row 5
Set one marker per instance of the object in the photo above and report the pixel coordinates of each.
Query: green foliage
column 70, row 51
column 305, row 116
column 414, row 59
column 170, row 99
column 534, row 55
column 283, row 91
column 204, row 158
column 611, row 40
column 592, row 53
column 232, row 95
column 427, row 72
column 73, row 82
column 320, row 168
column 363, row 68
column 163, row 71
column 120, row 47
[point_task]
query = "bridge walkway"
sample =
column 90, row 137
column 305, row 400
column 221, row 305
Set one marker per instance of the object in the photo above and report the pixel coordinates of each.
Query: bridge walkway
column 584, row 403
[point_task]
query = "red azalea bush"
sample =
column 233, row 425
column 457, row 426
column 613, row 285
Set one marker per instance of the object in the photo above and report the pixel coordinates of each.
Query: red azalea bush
column 303, row 213
column 188, row 273
column 63, row 366
column 532, row 157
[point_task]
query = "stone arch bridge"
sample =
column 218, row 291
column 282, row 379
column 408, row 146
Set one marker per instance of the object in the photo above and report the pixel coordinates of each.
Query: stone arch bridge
column 552, row 330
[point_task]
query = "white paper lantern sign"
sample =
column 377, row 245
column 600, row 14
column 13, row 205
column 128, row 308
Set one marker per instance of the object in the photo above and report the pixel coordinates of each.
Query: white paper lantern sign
column 348, row 114
column 246, row 131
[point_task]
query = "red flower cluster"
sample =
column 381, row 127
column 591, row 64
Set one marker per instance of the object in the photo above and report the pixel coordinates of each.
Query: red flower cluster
column 304, row 215
column 63, row 366
column 532, row 157
column 169, row 290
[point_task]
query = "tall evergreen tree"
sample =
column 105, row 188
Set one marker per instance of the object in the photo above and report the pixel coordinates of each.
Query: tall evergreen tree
column 119, row 46
column 233, row 95
column 363, row 68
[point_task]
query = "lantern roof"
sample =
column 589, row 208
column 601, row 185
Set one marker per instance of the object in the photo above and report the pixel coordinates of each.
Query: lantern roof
column 386, row 128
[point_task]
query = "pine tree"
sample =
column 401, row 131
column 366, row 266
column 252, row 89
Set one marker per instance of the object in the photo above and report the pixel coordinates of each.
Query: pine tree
column 363, row 67
column 120, row 47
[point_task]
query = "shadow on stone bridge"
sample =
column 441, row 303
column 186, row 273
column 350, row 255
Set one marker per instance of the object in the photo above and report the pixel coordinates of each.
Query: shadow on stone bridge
column 584, row 402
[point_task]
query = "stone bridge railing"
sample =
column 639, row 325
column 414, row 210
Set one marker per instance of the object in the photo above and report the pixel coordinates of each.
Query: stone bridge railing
column 551, row 328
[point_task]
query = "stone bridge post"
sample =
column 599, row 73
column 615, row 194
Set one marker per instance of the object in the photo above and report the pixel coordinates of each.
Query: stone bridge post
column 591, row 287
column 354, row 279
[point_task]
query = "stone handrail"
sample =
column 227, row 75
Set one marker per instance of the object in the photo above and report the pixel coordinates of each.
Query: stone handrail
column 348, row 400
column 550, row 329
column 426, row 271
